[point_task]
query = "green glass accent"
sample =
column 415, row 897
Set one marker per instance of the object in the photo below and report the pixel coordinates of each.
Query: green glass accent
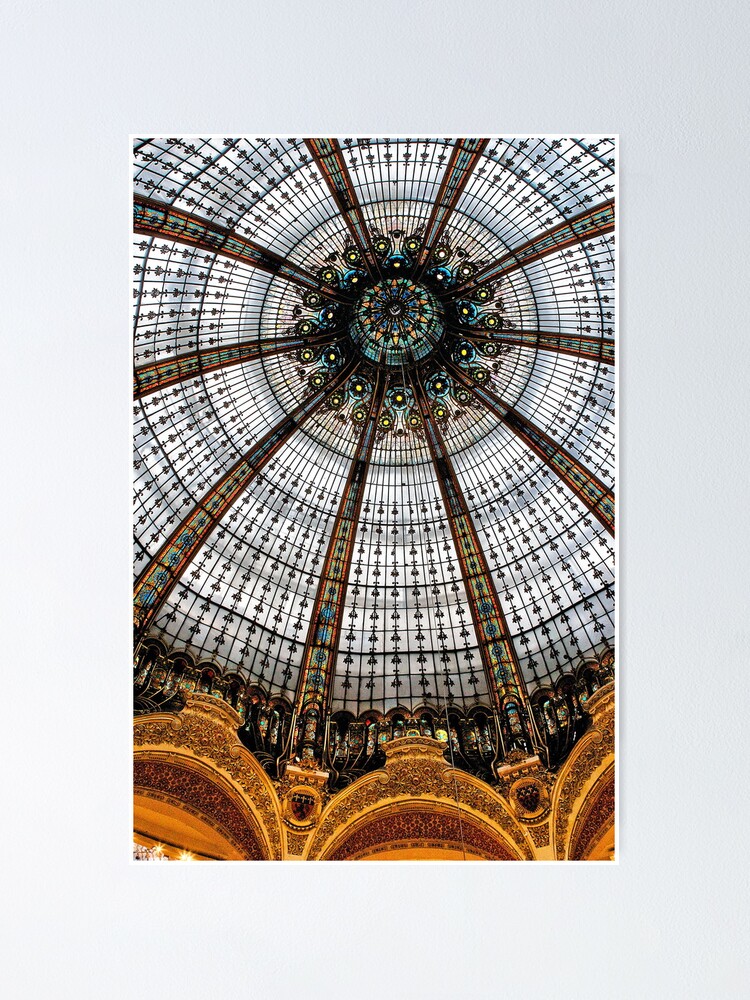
column 397, row 322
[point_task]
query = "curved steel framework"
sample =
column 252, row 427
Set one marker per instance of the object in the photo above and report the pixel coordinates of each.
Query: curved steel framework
column 592, row 348
column 313, row 695
column 161, row 374
column 594, row 222
column 599, row 500
column 464, row 158
column 163, row 571
column 497, row 652
column 329, row 159
column 151, row 218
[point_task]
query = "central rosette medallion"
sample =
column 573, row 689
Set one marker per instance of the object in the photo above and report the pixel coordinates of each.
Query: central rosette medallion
column 397, row 322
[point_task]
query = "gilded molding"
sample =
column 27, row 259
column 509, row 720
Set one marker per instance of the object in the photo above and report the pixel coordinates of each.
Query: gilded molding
column 415, row 769
column 295, row 844
column 415, row 775
column 524, row 782
column 596, row 816
column 198, row 788
column 540, row 834
column 418, row 825
column 207, row 728
column 595, row 748
column 602, row 701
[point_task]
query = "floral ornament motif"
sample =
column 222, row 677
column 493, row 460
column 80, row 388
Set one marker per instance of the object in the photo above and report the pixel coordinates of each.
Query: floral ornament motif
column 397, row 322
column 399, row 412
column 352, row 401
column 416, row 765
column 404, row 323
column 207, row 728
column 480, row 361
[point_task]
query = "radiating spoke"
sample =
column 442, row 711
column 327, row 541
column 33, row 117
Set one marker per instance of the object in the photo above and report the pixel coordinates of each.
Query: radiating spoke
column 465, row 156
column 590, row 348
column 594, row 222
column 316, row 675
column 162, row 573
column 154, row 218
column 329, row 159
column 161, row 374
column 584, row 484
column 499, row 658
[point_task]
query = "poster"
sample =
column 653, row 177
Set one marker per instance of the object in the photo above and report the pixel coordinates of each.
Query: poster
column 375, row 465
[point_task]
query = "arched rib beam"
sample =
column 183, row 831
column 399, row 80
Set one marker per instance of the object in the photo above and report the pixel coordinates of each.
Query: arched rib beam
column 324, row 632
column 161, row 374
column 584, row 484
column 590, row 348
column 499, row 658
column 463, row 159
column 594, row 222
column 155, row 218
column 329, row 159
column 162, row 573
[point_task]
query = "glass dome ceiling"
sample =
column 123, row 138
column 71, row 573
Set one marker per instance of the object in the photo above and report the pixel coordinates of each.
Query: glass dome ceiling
column 373, row 417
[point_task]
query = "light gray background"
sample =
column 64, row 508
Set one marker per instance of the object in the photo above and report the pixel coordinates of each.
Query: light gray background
column 671, row 78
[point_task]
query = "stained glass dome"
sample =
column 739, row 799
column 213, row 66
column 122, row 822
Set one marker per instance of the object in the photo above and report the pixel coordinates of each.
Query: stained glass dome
column 397, row 322
column 374, row 427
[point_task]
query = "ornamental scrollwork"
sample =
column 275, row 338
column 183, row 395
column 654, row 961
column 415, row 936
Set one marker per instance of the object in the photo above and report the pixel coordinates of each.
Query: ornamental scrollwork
column 594, row 749
column 416, row 769
column 208, row 730
column 540, row 835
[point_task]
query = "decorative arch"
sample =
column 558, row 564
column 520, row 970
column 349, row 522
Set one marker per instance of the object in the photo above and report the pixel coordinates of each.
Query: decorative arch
column 592, row 756
column 593, row 831
column 204, row 737
column 417, row 762
column 193, row 788
column 414, row 828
